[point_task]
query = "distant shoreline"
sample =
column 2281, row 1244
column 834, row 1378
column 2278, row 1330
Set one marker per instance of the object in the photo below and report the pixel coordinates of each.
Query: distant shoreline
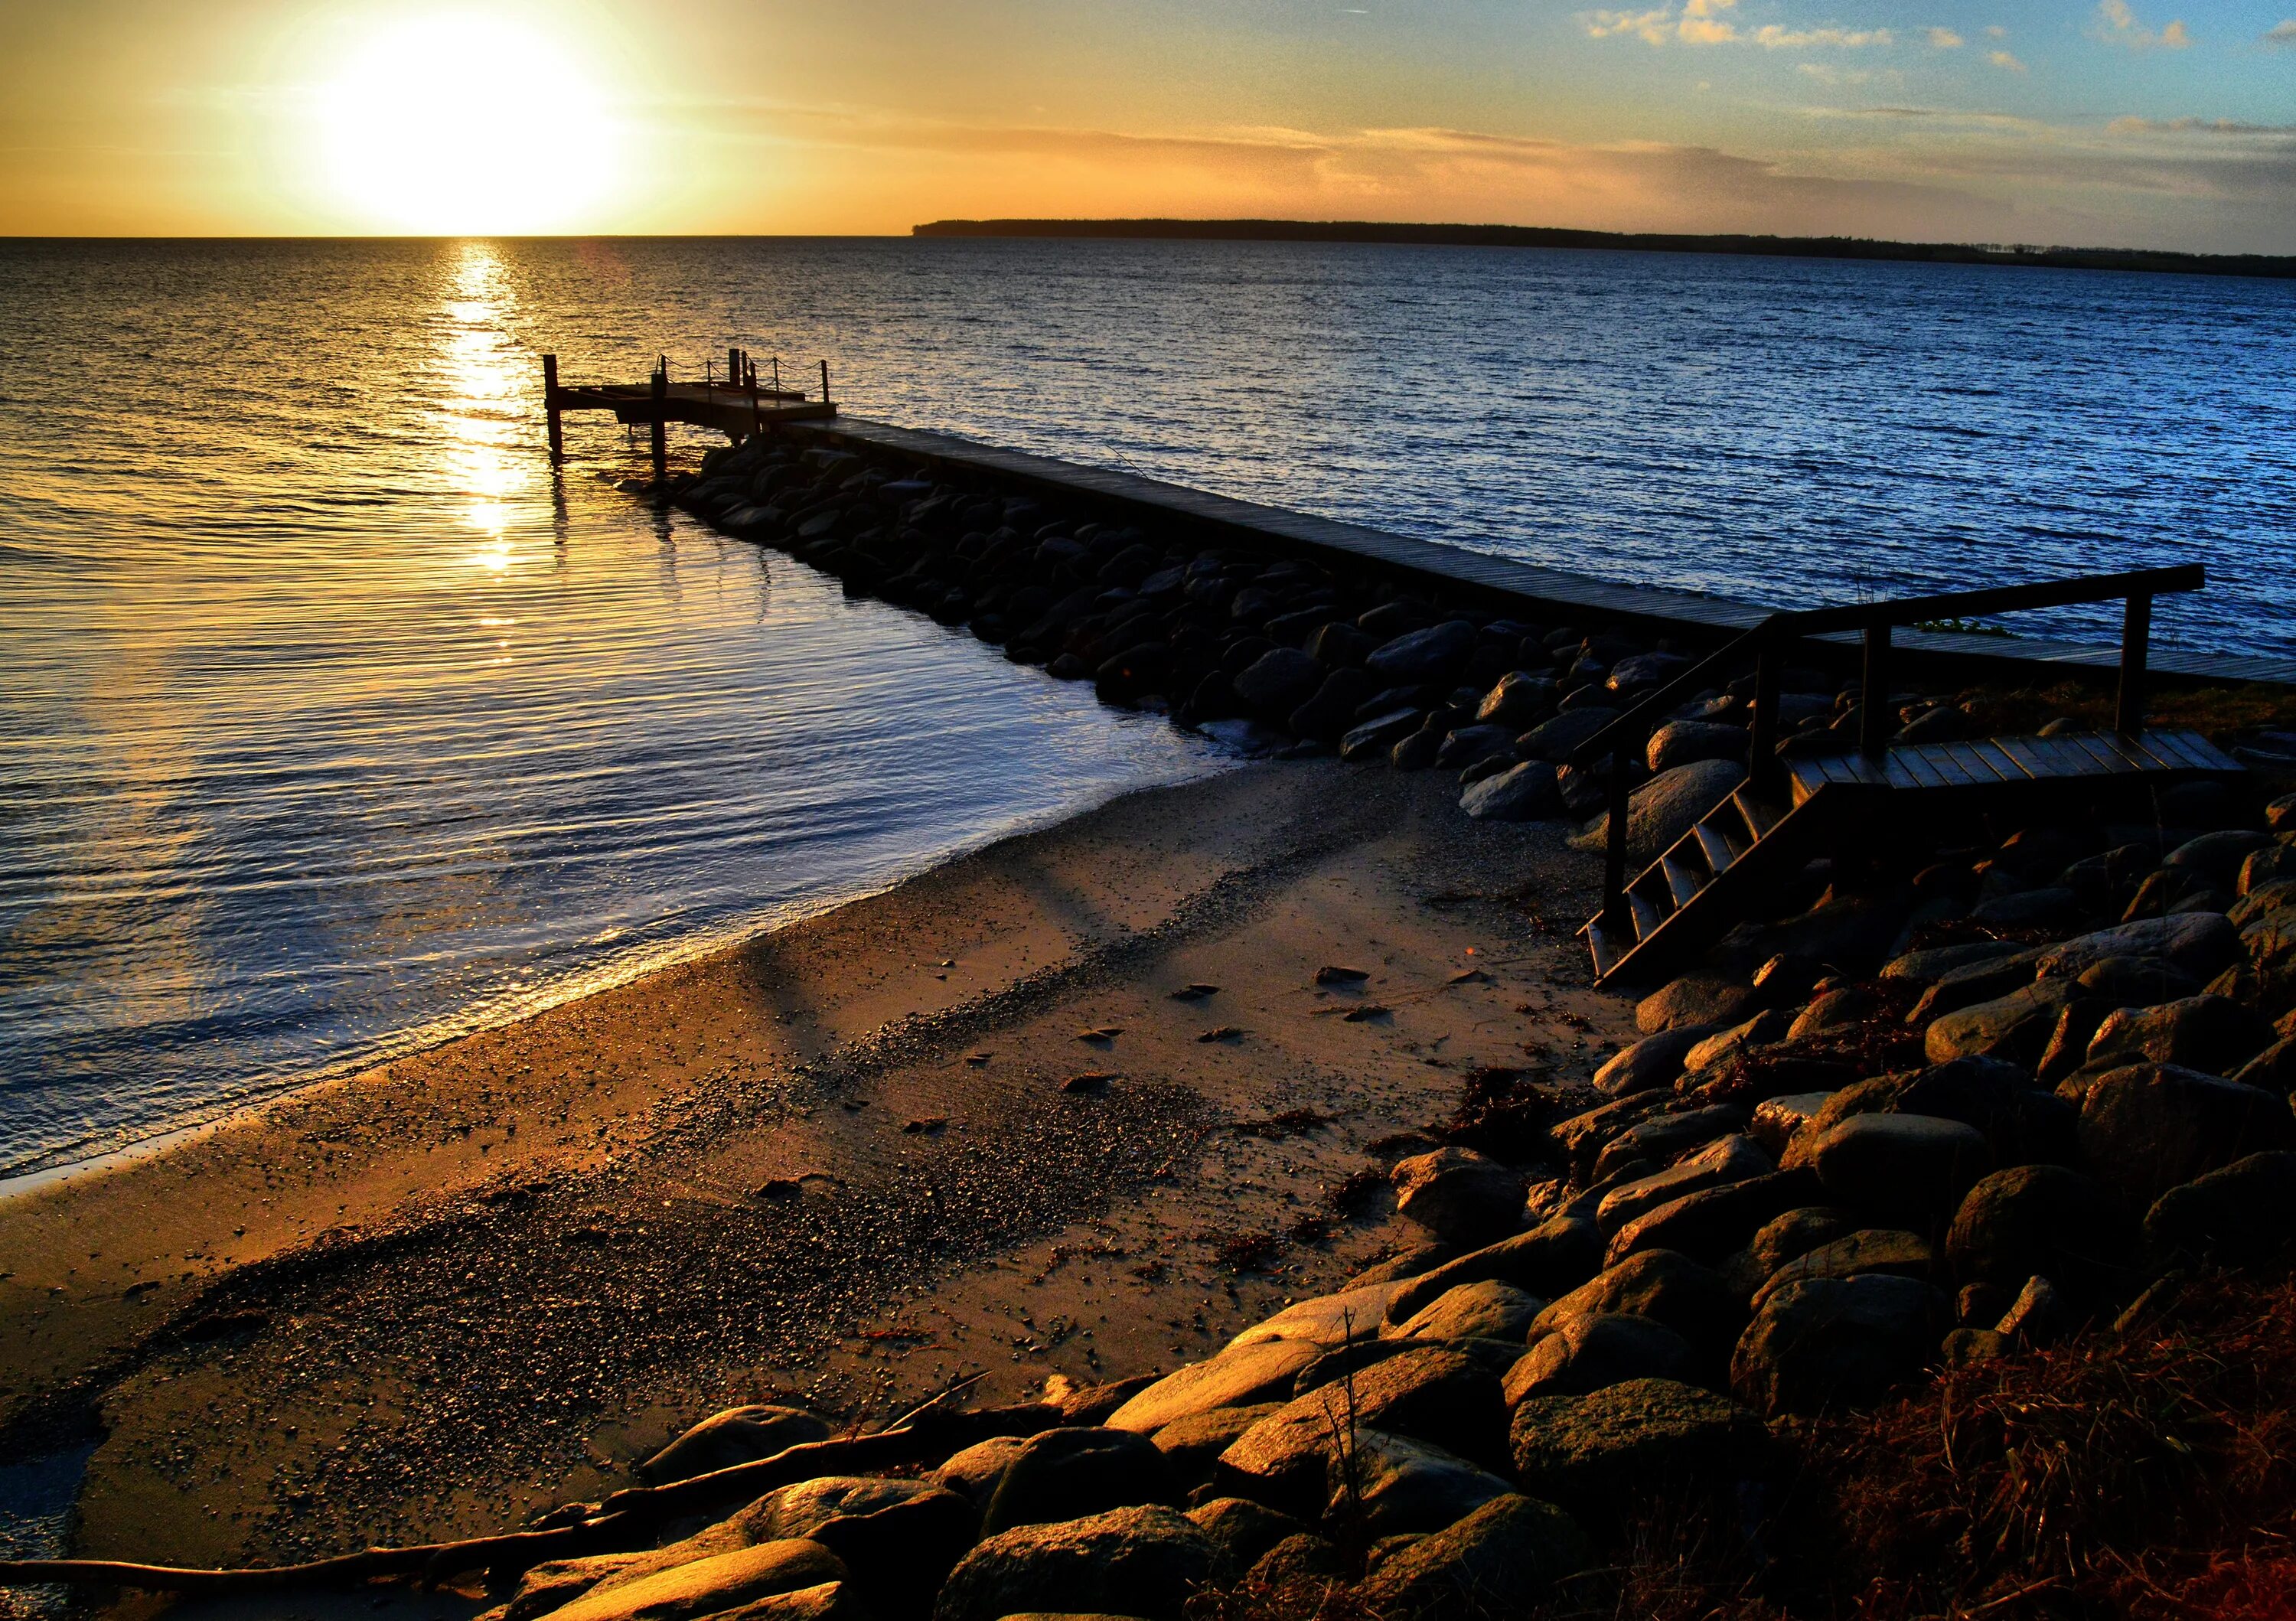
column 1545, row 236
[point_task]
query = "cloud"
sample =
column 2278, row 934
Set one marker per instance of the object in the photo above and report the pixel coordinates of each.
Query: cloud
column 2007, row 63
column 2280, row 36
column 1826, row 73
column 1701, row 22
column 2117, row 25
column 1995, row 31
column 1946, row 40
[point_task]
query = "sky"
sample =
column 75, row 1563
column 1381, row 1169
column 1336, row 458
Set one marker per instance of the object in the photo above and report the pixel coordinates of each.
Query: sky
column 2137, row 123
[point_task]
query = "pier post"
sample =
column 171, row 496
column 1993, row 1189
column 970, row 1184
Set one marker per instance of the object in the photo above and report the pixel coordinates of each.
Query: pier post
column 550, row 408
column 733, row 368
column 660, row 426
column 2135, row 634
column 1874, row 727
column 824, row 382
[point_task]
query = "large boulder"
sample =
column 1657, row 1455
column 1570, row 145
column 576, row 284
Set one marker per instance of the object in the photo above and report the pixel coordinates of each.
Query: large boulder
column 1651, row 1062
column 1278, row 683
column 1241, row 1531
column 1709, row 1225
column 1664, row 1137
column 2043, row 1219
column 1785, row 1237
column 2211, row 1033
column 1686, row 742
column 1520, row 700
column 1691, row 1299
column 1557, row 740
column 2146, row 1128
column 1717, row 1000
column 900, row 1555
column 1487, row 1310
column 1836, row 1342
column 2021, row 1122
column 1551, row 1259
column 1237, row 1377
column 1458, row 1195
column 1524, row 792
column 973, row 1474
column 2015, row 1026
column 1423, row 657
column 707, row 1586
column 2242, row 1214
column 1064, row 1474
column 1598, row 1350
column 1666, row 807
column 1140, row 1561
column 1869, row 1250
column 1503, row 1558
column 739, row 1435
column 1193, row 1445
column 1726, row 1160
column 1398, row 1484
column 1433, row 1395
column 1638, row 1440
column 1329, row 1321
column 1913, row 1166
column 800, row 1508
column 2200, row 944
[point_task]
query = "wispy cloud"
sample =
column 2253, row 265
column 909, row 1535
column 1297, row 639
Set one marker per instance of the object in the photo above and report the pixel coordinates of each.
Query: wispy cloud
column 1946, row 40
column 2117, row 25
column 2280, row 36
column 2006, row 61
column 1702, row 22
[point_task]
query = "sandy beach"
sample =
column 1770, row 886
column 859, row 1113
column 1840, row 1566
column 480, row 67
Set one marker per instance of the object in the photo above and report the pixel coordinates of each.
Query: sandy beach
column 843, row 1163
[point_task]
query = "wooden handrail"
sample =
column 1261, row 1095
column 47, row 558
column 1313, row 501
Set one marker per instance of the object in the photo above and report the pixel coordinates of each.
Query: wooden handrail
column 2135, row 588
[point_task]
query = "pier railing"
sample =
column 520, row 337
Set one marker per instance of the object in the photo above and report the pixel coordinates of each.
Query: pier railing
column 1767, row 645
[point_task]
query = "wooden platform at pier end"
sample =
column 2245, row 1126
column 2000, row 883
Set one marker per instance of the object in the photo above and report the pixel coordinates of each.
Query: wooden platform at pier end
column 741, row 405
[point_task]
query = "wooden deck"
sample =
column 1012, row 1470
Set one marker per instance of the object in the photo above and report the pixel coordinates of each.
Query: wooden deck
column 2009, row 761
column 731, row 411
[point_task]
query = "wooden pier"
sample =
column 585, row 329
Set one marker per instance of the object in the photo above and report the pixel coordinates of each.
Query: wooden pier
column 742, row 405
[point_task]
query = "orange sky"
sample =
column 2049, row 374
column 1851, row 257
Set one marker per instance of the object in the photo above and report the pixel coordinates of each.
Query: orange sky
column 2018, row 120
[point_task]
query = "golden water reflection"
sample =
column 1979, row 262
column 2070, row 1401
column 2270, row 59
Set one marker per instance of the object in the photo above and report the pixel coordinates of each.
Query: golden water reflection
column 482, row 379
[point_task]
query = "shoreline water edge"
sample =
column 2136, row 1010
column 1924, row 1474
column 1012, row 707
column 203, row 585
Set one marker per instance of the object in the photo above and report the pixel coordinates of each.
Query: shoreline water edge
column 1301, row 1225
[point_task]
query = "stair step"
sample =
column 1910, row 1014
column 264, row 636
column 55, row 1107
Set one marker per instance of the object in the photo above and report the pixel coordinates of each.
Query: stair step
column 1760, row 815
column 1647, row 917
column 1681, row 880
column 1715, row 844
column 1606, row 948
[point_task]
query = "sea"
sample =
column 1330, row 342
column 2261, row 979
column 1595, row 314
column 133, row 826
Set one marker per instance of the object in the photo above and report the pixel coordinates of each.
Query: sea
column 334, row 722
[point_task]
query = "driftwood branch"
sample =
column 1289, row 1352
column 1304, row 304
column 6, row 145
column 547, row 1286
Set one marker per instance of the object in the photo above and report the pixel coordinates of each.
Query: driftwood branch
column 923, row 1435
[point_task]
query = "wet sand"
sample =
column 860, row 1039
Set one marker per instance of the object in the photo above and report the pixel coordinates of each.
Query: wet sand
column 838, row 1163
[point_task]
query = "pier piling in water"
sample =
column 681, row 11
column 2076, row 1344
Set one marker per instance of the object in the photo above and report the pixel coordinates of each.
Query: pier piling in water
column 550, row 408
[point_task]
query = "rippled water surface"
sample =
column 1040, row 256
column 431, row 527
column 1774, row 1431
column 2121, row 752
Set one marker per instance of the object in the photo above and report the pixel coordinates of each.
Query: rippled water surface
column 331, row 721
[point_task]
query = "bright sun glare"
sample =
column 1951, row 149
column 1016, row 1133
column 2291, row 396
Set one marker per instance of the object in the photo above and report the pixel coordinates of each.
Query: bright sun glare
column 464, row 124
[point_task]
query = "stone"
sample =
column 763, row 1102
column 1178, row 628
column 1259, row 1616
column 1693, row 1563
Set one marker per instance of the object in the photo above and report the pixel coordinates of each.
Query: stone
column 1329, row 716
column 1642, row 1439
column 1651, row 1064
column 1865, row 1097
column 1842, row 1009
column 2263, row 897
column 2021, row 1122
column 1666, row 807
column 1709, row 1225
column 2048, row 908
column 1237, row 1377
column 1489, row 1310
column 1192, row 1445
column 2274, row 1069
column 1553, row 1259
column 1915, row 1166
column 1068, row 1473
column 1715, row 1001
column 1684, row 742
column 1143, row 1562
column 900, row 1555
column 1725, row 1159
column 1413, row 1261
column 2274, row 864
column 1095, row 1404
column 1639, row 670
column 2215, row 858
column 1464, row 746
column 1557, row 740
column 1327, row 1321
column 2016, row 1028
column 1933, row 964
column 1583, row 1136
column 708, row 1587
column 2040, row 1315
column 800, row 1508
column 1278, row 683
column 2241, row 1214
column 1869, row 1250
column 1432, row 1394
column 1662, row 1137
column 1836, row 1342
column 1458, row 1195
column 1668, row 1288
column 1777, row 1119
column 1784, row 1237
column 1240, row 1532
column 2200, row 944
column 1502, row 1559
column 1763, row 1030
column 2146, row 1128
column 1434, row 655
column 1519, row 701
column 554, row 1582
column 1965, row 1347
column 739, row 1435
column 1522, row 792
column 1371, row 740
column 2037, row 1218
column 1598, row 1350
column 973, row 1473
column 829, row 1602
column 1969, row 984
column 1303, row 1565
column 1398, row 1485
column 2210, row 1034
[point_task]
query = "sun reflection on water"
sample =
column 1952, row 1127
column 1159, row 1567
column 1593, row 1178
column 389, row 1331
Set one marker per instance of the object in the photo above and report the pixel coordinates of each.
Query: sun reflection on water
column 482, row 380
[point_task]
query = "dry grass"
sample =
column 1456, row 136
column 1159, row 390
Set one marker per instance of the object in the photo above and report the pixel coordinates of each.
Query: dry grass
column 2222, row 713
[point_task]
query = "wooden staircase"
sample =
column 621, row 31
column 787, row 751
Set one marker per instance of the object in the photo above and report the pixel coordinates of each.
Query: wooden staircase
column 1718, row 872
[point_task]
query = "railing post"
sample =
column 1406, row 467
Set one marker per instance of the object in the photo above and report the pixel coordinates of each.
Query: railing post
column 733, row 368
column 662, row 425
column 2135, row 633
column 550, row 408
column 1874, row 727
column 1762, row 761
column 824, row 382
column 1614, row 855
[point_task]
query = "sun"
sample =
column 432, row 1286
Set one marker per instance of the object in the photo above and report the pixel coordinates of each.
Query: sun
column 465, row 124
